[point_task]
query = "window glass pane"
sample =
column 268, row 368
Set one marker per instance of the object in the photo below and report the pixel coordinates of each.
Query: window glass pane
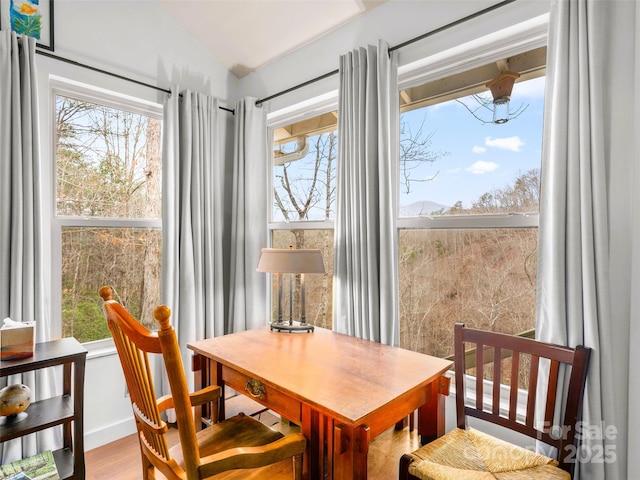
column 484, row 278
column 319, row 288
column 108, row 161
column 127, row 259
column 304, row 167
column 108, row 208
column 454, row 160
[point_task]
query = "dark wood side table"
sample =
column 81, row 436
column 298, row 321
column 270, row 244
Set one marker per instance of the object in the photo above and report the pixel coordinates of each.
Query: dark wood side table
column 65, row 409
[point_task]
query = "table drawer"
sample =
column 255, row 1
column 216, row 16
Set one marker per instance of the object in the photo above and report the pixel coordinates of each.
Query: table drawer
column 271, row 398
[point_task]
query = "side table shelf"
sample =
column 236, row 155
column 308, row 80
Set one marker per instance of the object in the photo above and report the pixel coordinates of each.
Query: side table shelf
column 65, row 409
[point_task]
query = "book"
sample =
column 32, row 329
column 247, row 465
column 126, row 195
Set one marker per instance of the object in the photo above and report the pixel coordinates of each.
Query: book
column 41, row 466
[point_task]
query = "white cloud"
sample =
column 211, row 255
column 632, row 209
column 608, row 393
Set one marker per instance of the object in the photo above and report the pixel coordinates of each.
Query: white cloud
column 481, row 167
column 510, row 143
column 478, row 149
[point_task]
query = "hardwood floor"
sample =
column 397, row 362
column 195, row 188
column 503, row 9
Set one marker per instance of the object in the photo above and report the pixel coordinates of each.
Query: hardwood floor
column 123, row 455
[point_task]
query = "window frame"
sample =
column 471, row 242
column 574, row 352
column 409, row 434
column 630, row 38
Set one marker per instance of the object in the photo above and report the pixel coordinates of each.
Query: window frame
column 515, row 40
column 301, row 111
column 519, row 38
column 511, row 41
column 103, row 97
column 308, row 109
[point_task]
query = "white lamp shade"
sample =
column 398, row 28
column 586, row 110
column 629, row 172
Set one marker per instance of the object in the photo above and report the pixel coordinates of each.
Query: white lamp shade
column 286, row 260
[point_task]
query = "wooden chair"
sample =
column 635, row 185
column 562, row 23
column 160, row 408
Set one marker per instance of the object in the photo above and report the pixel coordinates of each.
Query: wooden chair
column 467, row 453
column 238, row 448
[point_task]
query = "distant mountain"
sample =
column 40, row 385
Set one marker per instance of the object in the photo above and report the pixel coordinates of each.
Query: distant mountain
column 417, row 209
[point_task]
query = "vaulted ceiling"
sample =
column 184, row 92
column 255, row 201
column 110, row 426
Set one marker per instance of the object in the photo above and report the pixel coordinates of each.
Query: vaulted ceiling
column 245, row 35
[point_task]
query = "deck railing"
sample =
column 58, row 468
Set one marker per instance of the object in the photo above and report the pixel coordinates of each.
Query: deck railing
column 470, row 355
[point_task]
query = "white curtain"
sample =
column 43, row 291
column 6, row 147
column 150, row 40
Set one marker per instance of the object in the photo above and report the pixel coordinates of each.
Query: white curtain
column 22, row 296
column 366, row 272
column 633, row 259
column 249, row 214
column 193, row 223
column 584, row 218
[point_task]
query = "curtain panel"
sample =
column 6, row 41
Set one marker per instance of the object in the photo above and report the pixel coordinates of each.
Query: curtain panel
column 249, row 213
column 631, row 255
column 585, row 221
column 214, row 218
column 365, row 265
column 193, row 221
column 22, row 296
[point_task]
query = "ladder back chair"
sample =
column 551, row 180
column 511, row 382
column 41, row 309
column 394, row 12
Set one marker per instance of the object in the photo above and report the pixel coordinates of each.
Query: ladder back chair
column 467, row 453
column 237, row 448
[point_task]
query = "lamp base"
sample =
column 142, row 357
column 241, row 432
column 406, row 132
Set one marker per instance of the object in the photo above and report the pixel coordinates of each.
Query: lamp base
column 291, row 327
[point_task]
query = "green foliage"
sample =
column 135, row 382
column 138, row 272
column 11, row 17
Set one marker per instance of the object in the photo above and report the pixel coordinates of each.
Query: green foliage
column 83, row 318
column 440, row 248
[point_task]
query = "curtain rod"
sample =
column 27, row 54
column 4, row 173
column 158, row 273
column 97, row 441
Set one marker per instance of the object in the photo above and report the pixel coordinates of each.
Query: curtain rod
column 396, row 47
column 121, row 77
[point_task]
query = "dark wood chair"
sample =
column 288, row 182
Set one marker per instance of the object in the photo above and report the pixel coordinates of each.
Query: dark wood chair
column 237, row 448
column 467, row 453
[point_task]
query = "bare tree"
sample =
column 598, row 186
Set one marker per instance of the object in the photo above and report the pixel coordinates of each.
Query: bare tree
column 153, row 243
column 483, row 278
column 414, row 152
column 305, row 191
column 521, row 197
column 307, row 184
column 107, row 165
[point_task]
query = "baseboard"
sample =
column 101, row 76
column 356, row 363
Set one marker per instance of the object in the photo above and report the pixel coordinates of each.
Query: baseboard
column 109, row 433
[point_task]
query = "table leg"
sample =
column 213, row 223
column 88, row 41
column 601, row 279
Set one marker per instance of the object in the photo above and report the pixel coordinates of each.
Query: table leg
column 314, row 428
column 207, row 372
column 350, row 450
column 198, row 367
column 431, row 415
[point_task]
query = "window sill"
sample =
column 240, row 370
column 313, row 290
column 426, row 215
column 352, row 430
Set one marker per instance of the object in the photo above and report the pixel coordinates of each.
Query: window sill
column 100, row 348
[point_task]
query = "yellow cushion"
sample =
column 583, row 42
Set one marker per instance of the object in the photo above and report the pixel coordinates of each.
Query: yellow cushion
column 473, row 455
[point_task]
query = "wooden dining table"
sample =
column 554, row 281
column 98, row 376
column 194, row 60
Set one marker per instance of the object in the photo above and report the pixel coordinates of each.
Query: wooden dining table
column 342, row 391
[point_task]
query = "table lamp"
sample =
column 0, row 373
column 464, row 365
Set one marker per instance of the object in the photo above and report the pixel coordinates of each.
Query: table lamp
column 292, row 261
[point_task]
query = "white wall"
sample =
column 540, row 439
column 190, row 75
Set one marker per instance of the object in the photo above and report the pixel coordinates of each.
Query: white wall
column 136, row 39
column 139, row 39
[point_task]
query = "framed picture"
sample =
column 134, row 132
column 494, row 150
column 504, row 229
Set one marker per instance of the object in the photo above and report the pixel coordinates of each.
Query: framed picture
column 33, row 18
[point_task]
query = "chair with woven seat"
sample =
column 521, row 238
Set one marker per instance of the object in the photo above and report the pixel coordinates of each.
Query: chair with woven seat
column 468, row 453
column 237, row 448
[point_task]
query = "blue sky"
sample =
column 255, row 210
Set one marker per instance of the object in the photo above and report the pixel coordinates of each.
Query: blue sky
column 480, row 157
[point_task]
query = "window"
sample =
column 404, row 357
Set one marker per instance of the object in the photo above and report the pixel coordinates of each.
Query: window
column 304, row 165
column 468, row 211
column 468, row 192
column 107, row 218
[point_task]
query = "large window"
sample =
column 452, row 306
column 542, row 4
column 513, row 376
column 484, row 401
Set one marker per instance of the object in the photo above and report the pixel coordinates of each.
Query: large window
column 304, row 166
column 468, row 214
column 107, row 218
column 468, row 196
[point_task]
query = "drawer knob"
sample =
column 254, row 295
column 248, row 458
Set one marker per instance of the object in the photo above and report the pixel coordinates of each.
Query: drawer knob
column 255, row 389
